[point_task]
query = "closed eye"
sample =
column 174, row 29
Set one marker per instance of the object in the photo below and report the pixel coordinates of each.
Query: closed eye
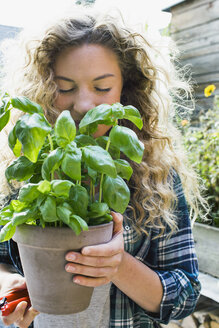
column 65, row 91
column 103, row 90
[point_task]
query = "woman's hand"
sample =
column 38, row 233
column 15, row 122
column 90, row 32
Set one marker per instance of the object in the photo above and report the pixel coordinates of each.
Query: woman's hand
column 97, row 265
column 21, row 316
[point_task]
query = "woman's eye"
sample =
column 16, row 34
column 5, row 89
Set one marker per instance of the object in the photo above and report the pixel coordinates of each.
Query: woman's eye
column 103, row 90
column 66, row 91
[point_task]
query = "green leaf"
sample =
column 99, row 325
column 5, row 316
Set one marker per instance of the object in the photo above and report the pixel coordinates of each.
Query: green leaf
column 116, row 193
column 65, row 129
column 75, row 226
column 44, row 187
column 32, row 130
column 85, row 140
column 97, row 210
column 99, row 160
column 127, row 141
column 132, row 114
column 78, row 199
column 82, row 222
column 5, row 103
column 17, row 205
column 61, row 187
column 92, row 174
column 71, row 164
column 22, row 217
column 101, row 114
column 51, row 163
column 103, row 219
column 63, row 212
column 21, row 169
column 114, row 151
column 14, row 143
column 118, row 111
column 123, row 168
column 48, row 210
column 26, row 105
column 28, row 193
column 7, row 232
column 4, row 119
column 6, row 214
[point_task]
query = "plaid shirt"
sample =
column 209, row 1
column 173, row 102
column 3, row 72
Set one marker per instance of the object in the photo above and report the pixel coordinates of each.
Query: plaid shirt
column 173, row 259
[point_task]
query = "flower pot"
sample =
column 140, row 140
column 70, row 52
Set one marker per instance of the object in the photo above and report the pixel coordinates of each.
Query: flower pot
column 42, row 252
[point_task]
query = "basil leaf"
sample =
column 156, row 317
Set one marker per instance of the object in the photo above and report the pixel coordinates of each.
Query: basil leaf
column 48, row 210
column 5, row 103
column 21, row 169
column 17, row 205
column 123, row 168
column 83, row 223
column 78, row 199
column 5, row 215
column 4, row 119
column 85, row 140
column 127, row 141
column 65, row 129
column 22, row 217
column 103, row 219
column 116, row 193
column 28, row 193
column 32, row 130
column 61, row 187
column 63, row 213
column 118, row 111
column 114, row 151
column 44, row 187
column 132, row 114
column 71, row 164
column 97, row 210
column 99, row 160
column 101, row 114
column 75, row 225
column 26, row 105
column 7, row 232
column 51, row 163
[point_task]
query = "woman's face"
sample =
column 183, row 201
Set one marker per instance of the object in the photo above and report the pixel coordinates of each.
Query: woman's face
column 87, row 76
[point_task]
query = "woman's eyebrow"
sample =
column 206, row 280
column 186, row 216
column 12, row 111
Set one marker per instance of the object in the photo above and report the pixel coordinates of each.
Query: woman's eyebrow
column 64, row 78
column 103, row 77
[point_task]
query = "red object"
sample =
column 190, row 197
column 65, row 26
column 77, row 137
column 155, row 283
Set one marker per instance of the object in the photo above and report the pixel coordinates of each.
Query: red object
column 9, row 302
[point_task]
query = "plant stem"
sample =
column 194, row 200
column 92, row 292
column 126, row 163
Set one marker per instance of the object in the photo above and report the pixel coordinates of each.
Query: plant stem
column 91, row 189
column 101, row 178
column 50, row 142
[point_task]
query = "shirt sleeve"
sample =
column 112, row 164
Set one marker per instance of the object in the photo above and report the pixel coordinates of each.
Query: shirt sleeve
column 177, row 266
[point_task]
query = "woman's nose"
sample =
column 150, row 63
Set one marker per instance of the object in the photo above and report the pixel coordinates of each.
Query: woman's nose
column 84, row 102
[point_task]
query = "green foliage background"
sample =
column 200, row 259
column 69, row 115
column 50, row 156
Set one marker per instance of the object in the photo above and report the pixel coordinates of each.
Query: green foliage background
column 202, row 145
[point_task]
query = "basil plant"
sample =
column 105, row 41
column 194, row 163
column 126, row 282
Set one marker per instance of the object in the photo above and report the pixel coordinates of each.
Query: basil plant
column 64, row 169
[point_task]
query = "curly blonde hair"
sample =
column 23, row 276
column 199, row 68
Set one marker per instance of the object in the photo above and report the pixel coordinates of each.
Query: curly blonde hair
column 151, row 82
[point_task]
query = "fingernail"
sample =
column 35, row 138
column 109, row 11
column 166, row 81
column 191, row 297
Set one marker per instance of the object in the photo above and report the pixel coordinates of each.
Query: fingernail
column 76, row 280
column 71, row 257
column 86, row 251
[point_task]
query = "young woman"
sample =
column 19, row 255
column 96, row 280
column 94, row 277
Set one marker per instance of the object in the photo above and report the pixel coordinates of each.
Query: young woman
column 147, row 274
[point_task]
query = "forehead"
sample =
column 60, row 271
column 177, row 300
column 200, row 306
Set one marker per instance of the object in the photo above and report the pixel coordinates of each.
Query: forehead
column 94, row 57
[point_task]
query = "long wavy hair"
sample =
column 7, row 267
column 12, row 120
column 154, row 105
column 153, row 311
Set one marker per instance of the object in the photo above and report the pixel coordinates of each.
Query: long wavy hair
column 151, row 82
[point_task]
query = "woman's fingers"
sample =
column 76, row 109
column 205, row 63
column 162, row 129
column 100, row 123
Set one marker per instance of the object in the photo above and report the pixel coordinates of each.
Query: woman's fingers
column 97, row 265
column 20, row 316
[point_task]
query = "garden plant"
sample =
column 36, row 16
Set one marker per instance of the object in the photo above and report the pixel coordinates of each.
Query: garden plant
column 63, row 168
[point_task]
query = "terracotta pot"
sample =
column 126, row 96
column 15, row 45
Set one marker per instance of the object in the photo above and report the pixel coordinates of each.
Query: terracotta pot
column 42, row 252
